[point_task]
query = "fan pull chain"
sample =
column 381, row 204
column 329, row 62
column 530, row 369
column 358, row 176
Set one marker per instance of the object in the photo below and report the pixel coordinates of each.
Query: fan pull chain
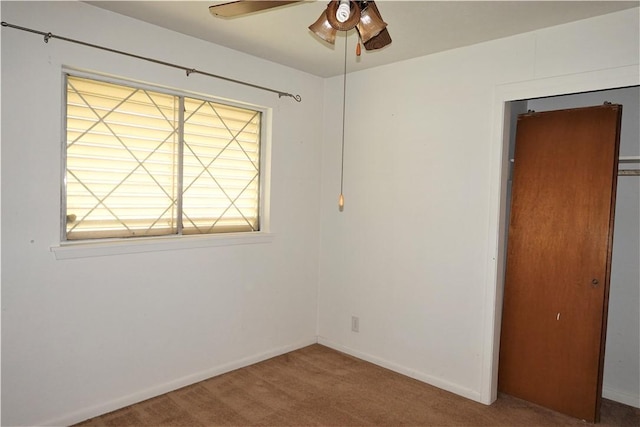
column 344, row 102
column 358, row 50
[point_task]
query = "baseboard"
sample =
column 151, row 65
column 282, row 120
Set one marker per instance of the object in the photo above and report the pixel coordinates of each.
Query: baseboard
column 103, row 408
column 148, row 393
column 621, row 396
column 429, row 379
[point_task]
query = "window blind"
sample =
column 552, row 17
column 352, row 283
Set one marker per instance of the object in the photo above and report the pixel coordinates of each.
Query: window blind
column 145, row 163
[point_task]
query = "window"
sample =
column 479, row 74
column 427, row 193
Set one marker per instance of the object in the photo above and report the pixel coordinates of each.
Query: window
column 143, row 162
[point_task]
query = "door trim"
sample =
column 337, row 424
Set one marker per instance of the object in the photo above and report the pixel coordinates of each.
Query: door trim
column 496, row 254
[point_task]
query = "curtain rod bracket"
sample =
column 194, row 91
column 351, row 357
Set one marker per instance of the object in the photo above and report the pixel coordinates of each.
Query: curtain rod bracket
column 189, row 71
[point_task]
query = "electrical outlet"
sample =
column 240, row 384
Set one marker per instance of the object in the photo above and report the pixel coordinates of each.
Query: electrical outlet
column 355, row 324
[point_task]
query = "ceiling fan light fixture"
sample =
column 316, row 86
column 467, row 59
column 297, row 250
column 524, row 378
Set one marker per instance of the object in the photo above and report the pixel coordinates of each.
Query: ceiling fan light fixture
column 365, row 18
column 371, row 24
column 323, row 29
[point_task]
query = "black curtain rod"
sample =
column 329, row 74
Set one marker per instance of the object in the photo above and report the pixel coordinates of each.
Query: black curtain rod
column 188, row 70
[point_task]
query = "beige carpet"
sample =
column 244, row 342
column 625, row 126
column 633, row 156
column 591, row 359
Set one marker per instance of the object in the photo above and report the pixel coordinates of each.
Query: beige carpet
column 317, row 386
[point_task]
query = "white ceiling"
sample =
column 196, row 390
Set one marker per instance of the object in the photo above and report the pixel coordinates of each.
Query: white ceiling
column 417, row 27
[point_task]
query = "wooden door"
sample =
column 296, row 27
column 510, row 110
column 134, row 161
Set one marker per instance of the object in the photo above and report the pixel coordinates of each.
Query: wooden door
column 558, row 258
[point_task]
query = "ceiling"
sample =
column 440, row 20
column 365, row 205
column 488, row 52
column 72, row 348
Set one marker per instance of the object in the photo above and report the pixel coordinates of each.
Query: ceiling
column 417, row 27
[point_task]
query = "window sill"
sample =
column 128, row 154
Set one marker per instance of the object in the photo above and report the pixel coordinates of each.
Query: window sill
column 87, row 249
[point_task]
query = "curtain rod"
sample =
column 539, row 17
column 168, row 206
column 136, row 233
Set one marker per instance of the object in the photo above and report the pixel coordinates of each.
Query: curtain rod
column 188, row 70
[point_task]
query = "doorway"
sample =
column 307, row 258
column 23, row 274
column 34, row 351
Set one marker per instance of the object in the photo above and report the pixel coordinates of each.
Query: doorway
column 622, row 365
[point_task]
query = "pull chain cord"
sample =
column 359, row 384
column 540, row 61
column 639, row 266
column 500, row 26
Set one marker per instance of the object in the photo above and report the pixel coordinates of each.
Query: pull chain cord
column 344, row 101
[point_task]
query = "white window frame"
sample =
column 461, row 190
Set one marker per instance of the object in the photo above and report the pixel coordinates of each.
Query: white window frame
column 69, row 249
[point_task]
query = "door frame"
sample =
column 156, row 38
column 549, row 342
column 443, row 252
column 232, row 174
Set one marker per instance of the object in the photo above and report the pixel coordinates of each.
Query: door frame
column 496, row 251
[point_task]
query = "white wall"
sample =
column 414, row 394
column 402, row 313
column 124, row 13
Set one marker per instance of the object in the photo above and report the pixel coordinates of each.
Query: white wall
column 416, row 252
column 621, row 380
column 84, row 336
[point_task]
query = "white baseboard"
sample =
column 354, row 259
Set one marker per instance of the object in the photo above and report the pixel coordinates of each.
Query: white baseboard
column 148, row 393
column 420, row 376
column 103, row 408
column 621, row 396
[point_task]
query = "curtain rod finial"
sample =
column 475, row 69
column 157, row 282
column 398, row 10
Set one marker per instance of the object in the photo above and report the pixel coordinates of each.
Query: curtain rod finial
column 298, row 98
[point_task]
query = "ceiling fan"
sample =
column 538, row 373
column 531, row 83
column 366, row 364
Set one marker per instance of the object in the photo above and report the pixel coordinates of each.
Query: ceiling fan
column 340, row 15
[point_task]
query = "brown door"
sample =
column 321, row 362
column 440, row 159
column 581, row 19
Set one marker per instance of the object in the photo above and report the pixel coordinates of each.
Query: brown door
column 558, row 258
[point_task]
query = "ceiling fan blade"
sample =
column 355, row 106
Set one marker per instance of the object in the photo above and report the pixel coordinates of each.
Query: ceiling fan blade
column 237, row 8
column 379, row 41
